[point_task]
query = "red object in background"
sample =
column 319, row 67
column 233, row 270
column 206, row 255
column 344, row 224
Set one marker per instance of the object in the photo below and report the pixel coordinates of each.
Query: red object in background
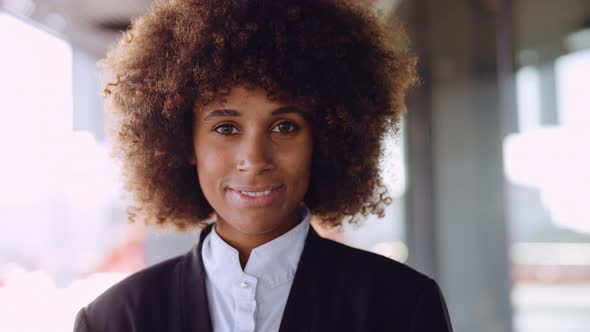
column 128, row 256
column 550, row 274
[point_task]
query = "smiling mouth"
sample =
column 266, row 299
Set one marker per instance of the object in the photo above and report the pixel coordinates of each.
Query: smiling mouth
column 256, row 197
column 255, row 189
column 255, row 193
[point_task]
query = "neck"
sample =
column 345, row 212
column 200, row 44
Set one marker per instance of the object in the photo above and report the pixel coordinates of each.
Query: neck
column 244, row 243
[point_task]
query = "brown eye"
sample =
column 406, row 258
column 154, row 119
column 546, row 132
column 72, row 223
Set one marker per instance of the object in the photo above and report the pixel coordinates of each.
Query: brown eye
column 285, row 127
column 226, row 129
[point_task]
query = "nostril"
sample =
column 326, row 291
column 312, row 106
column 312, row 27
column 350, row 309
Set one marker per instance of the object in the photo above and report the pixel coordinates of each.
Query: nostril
column 245, row 166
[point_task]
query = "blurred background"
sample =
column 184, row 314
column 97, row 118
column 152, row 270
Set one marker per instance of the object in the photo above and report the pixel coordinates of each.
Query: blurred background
column 490, row 173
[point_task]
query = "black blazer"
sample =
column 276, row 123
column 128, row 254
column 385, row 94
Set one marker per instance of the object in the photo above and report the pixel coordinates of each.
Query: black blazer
column 336, row 288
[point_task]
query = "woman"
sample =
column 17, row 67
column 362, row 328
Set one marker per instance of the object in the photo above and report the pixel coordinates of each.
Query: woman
column 256, row 114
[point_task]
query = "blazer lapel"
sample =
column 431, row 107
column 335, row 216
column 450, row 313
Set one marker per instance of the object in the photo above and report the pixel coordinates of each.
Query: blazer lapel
column 193, row 292
column 303, row 301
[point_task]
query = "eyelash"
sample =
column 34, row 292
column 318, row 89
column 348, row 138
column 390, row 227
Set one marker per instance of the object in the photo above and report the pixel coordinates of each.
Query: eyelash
column 294, row 127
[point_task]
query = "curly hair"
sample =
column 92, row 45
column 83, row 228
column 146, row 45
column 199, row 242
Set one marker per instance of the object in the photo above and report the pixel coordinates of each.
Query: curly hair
column 332, row 56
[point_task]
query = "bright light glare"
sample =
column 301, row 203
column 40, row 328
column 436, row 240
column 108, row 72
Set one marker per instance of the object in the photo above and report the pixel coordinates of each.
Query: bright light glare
column 28, row 293
column 392, row 165
column 554, row 161
column 36, row 105
column 58, row 188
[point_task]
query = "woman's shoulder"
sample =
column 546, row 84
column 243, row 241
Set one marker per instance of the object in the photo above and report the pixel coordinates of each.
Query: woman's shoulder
column 365, row 265
column 353, row 275
column 119, row 307
column 161, row 274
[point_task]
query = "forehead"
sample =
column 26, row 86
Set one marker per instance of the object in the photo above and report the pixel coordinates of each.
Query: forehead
column 240, row 95
column 246, row 99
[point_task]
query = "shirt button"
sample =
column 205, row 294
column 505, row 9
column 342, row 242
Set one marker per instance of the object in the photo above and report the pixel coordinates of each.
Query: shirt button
column 245, row 284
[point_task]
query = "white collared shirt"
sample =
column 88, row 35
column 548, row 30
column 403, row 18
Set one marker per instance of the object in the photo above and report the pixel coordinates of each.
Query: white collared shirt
column 252, row 299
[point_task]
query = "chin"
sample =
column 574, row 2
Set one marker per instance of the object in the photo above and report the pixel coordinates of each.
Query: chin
column 254, row 223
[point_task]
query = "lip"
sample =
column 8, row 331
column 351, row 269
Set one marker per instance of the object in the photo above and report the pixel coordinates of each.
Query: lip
column 255, row 188
column 255, row 202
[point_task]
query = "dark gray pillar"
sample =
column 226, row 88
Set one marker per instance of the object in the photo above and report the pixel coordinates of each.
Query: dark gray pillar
column 456, row 209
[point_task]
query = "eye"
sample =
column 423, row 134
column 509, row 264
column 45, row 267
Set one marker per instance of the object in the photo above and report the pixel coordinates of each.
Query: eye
column 285, row 127
column 226, row 129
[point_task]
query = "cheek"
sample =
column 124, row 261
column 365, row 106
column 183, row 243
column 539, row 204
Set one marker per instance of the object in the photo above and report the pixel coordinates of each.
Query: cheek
column 211, row 169
column 298, row 163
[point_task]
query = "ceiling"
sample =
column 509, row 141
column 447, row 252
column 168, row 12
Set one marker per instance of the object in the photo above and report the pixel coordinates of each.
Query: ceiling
column 89, row 25
column 94, row 25
column 542, row 26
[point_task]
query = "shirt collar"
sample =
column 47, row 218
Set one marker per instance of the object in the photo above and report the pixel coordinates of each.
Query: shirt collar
column 274, row 262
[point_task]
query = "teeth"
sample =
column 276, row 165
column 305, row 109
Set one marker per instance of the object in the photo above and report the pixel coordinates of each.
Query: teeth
column 255, row 193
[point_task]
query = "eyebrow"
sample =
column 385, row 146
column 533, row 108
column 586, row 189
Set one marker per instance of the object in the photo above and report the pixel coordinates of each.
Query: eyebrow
column 278, row 111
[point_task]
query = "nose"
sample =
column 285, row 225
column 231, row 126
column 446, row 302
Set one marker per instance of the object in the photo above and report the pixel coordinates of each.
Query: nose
column 255, row 155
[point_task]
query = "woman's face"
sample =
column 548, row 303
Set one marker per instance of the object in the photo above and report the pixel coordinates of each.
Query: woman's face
column 253, row 159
